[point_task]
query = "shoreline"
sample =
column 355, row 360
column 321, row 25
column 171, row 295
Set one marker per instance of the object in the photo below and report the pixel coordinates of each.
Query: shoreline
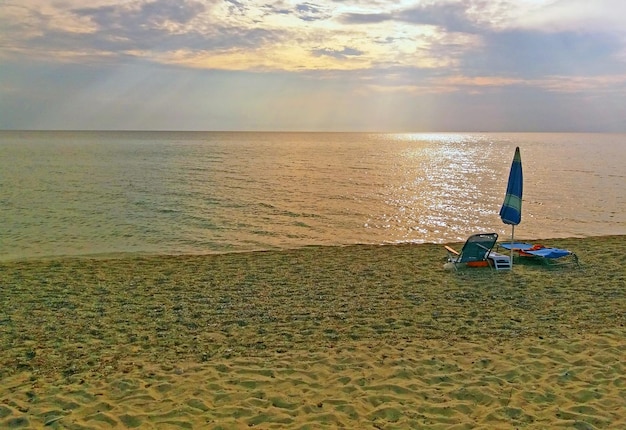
column 353, row 336
column 555, row 241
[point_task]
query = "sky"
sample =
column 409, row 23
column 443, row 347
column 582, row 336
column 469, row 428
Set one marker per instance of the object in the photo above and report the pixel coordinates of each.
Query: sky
column 339, row 65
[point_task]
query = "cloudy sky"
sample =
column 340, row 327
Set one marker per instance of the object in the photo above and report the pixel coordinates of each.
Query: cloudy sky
column 316, row 65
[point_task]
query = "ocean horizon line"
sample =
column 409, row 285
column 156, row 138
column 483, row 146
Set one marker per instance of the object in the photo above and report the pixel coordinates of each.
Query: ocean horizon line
column 60, row 130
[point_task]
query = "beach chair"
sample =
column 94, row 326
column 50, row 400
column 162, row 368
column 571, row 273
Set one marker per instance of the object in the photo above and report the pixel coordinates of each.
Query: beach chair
column 477, row 252
column 555, row 256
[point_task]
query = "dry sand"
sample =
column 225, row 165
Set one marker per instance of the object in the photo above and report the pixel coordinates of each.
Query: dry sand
column 325, row 337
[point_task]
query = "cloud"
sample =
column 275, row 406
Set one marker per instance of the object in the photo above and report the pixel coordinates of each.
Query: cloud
column 575, row 15
column 344, row 53
column 165, row 26
column 311, row 12
column 366, row 18
column 237, row 7
column 446, row 15
column 104, row 30
column 122, row 17
column 532, row 53
column 449, row 34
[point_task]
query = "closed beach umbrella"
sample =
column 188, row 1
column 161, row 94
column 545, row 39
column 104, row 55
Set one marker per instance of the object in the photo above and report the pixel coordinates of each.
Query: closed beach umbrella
column 511, row 210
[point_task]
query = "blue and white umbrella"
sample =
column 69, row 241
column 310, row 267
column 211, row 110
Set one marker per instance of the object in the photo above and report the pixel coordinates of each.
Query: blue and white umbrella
column 511, row 210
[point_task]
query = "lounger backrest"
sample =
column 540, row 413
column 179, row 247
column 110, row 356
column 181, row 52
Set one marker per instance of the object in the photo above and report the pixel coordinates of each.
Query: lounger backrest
column 478, row 247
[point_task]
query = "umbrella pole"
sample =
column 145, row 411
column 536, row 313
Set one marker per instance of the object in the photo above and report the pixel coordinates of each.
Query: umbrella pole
column 512, row 235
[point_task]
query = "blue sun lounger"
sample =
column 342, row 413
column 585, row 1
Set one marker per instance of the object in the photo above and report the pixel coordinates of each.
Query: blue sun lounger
column 539, row 251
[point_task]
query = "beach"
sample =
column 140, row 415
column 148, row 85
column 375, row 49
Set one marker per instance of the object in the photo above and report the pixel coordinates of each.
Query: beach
column 362, row 336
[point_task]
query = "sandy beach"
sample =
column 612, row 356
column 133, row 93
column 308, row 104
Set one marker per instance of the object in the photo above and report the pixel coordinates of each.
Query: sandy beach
column 321, row 337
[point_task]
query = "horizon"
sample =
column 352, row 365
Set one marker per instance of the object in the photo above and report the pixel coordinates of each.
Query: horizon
column 432, row 132
column 421, row 66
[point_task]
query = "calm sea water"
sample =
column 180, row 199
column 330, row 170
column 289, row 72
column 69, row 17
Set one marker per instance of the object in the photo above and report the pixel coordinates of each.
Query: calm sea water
column 92, row 193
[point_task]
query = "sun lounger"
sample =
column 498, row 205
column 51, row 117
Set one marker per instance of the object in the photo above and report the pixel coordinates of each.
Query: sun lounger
column 539, row 252
column 477, row 252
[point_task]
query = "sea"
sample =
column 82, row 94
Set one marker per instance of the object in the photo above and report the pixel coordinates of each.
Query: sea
column 118, row 193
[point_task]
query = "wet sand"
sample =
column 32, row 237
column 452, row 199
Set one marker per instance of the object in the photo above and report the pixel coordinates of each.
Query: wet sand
column 321, row 337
